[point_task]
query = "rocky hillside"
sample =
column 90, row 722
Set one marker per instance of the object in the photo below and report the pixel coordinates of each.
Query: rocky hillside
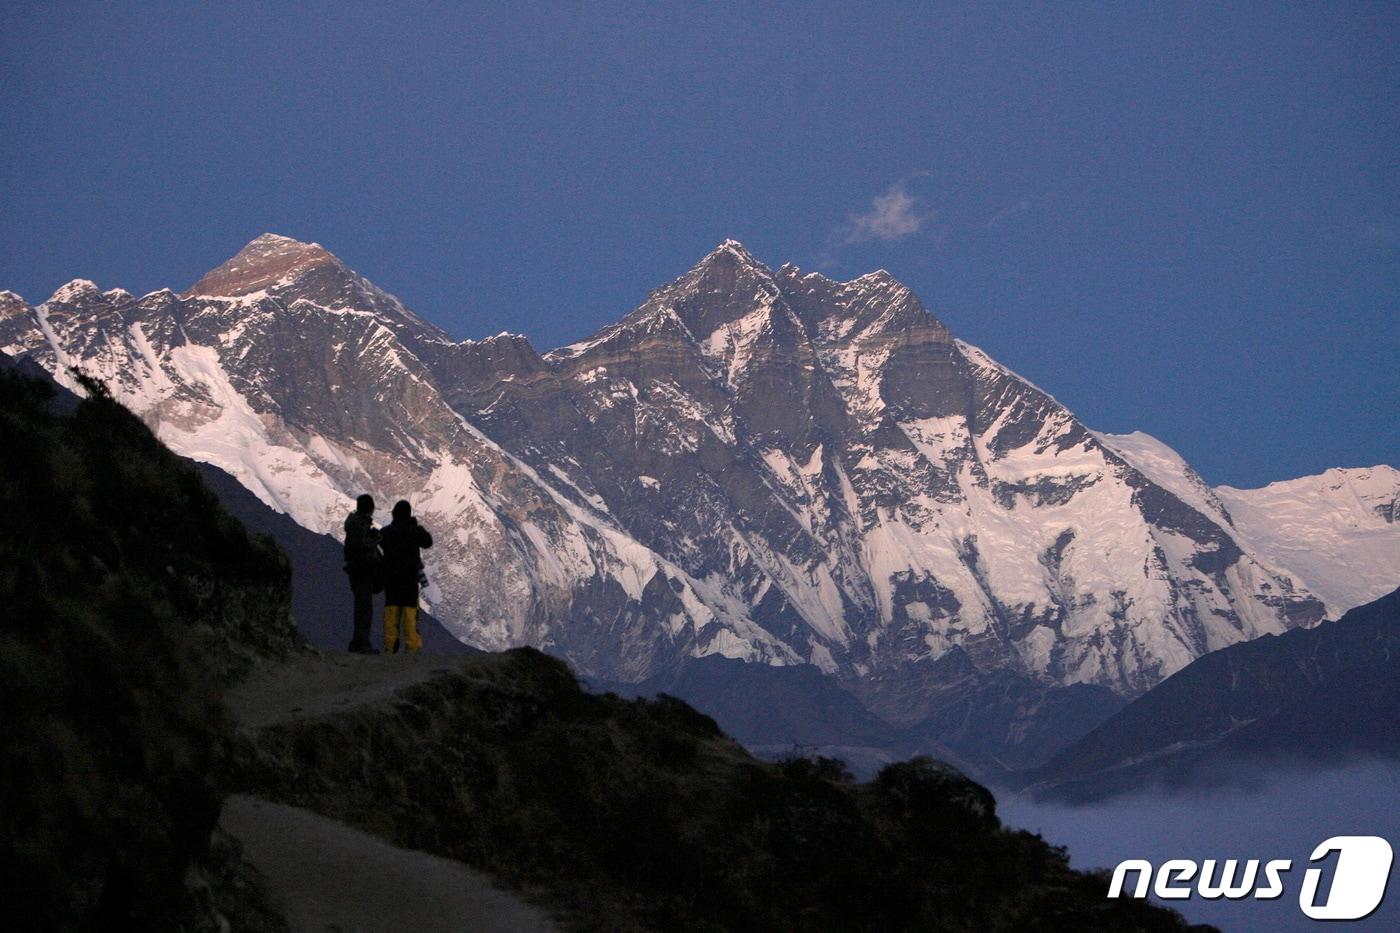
column 152, row 669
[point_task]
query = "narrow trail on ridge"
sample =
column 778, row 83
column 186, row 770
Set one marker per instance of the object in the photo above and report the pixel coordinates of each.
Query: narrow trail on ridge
column 327, row 876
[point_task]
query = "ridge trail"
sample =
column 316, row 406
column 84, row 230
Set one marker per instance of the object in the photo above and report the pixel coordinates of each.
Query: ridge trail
column 328, row 876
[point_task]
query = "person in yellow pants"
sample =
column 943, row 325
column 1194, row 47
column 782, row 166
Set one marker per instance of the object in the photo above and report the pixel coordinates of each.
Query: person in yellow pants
column 402, row 541
column 407, row 618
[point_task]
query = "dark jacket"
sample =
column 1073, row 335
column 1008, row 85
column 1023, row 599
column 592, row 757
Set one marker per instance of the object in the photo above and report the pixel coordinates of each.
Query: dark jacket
column 362, row 557
column 402, row 541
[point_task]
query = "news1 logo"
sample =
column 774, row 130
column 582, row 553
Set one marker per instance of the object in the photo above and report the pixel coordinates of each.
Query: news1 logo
column 1358, row 878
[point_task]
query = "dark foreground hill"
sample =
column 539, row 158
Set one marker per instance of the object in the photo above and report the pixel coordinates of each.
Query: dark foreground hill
column 641, row 815
column 130, row 599
column 137, row 605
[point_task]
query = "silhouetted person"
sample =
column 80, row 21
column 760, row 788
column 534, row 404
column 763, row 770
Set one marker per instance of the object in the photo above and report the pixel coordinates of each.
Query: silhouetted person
column 402, row 541
column 363, row 563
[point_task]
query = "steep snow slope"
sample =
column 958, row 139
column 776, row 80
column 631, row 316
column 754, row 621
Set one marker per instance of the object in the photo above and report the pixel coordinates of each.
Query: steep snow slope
column 1168, row 469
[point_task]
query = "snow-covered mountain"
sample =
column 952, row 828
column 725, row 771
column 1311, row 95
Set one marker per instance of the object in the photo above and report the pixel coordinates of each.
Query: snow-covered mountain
column 766, row 465
column 1339, row 532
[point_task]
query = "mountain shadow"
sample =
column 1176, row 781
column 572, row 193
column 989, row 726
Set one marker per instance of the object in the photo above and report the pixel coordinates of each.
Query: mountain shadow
column 987, row 723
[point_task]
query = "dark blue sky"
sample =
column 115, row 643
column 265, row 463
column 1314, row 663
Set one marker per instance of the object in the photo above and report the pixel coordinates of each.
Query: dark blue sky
column 1179, row 220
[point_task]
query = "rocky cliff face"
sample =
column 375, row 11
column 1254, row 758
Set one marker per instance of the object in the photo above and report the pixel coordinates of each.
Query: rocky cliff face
column 766, row 465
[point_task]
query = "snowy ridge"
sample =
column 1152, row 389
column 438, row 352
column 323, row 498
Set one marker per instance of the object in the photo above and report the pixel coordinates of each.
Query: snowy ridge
column 1338, row 532
column 1168, row 469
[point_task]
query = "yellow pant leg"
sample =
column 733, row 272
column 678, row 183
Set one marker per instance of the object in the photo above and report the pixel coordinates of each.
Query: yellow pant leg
column 411, row 641
column 391, row 629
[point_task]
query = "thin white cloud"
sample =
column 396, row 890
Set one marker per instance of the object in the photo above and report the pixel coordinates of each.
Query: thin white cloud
column 892, row 216
column 1020, row 207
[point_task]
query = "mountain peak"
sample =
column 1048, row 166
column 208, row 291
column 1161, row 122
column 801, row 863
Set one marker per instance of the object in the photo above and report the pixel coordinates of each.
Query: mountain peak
column 12, row 305
column 731, row 252
column 73, row 290
column 277, row 239
column 265, row 261
column 725, row 267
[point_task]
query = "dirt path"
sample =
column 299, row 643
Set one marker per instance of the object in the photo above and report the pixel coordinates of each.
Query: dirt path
column 317, row 684
column 332, row 878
